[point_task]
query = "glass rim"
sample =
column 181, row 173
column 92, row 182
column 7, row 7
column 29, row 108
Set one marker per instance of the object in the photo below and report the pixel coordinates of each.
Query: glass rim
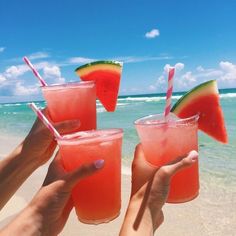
column 74, row 84
column 90, row 136
column 178, row 121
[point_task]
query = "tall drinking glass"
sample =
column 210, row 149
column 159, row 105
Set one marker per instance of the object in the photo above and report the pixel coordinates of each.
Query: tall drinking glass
column 71, row 101
column 164, row 142
column 97, row 198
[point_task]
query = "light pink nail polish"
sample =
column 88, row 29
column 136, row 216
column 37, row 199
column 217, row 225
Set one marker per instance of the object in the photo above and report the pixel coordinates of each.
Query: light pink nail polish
column 99, row 164
column 193, row 155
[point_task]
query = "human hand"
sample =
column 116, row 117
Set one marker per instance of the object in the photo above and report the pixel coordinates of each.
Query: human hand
column 40, row 144
column 34, row 151
column 49, row 210
column 150, row 187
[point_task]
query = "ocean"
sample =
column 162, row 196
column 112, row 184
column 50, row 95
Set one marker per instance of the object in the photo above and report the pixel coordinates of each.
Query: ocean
column 217, row 161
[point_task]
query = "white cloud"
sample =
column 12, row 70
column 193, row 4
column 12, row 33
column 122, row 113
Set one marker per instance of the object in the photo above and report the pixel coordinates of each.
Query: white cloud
column 53, row 73
column 132, row 59
column 80, row 60
column 2, row 49
column 178, row 67
column 15, row 71
column 22, row 90
column 41, row 65
column 125, row 59
column 229, row 70
column 2, row 78
column 38, row 55
column 152, row 34
column 152, row 88
column 200, row 68
column 13, row 81
column 227, row 66
column 210, row 73
column 225, row 74
column 131, row 90
column 186, row 80
column 160, row 84
column 49, row 70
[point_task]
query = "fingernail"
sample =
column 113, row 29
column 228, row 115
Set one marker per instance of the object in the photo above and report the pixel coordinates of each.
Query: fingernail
column 99, row 164
column 193, row 155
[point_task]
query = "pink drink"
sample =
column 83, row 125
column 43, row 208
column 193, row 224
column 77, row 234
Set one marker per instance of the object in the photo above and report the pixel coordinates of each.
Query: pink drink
column 72, row 101
column 97, row 198
column 164, row 142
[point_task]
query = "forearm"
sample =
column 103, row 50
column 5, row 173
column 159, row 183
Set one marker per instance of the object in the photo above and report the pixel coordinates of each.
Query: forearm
column 138, row 220
column 14, row 170
column 27, row 223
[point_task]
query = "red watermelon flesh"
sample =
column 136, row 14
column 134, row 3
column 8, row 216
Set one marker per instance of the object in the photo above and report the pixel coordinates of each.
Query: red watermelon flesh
column 204, row 100
column 107, row 87
column 107, row 76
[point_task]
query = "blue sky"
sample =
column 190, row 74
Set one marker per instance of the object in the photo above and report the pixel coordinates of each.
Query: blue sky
column 198, row 37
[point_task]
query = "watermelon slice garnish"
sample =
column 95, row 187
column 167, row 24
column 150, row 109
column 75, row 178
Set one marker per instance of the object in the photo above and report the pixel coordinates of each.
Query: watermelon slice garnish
column 204, row 100
column 107, row 75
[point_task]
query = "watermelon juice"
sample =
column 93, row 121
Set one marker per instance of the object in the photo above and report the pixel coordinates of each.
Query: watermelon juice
column 164, row 142
column 97, row 198
column 71, row 101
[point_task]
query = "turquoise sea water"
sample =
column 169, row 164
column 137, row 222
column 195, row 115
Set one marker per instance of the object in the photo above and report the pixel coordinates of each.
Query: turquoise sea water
column 216, row 203
column 216, row 159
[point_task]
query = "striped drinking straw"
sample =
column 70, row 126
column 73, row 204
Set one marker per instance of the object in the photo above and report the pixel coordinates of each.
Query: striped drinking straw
column 46, row 122
column 36, row 73
column 169, row 93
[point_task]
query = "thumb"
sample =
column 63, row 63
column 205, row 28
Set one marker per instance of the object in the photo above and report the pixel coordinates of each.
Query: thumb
column 185, row 162
column 84, row 171
column 166, row 172
column 67, row 209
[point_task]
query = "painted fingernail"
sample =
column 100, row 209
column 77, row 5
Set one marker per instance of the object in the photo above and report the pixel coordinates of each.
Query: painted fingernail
column 99, row 164
column 193, row 155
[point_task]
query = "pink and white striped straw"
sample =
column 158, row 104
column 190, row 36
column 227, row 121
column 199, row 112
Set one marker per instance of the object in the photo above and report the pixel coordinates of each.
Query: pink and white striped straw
column 43, row 118
column 169, row 93
column 36, row 73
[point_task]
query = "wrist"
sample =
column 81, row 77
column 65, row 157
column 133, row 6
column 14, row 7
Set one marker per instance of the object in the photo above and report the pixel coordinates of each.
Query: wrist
column 139, row 207
column 27, row 223
column 14, row 170
column 138, row 219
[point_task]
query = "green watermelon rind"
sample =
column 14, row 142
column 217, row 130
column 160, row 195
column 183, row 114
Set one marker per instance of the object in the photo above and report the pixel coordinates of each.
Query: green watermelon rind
column 113, row 63
column 185, row 99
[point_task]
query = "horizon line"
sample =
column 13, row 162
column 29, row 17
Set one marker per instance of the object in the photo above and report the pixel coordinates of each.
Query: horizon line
column 121, row 96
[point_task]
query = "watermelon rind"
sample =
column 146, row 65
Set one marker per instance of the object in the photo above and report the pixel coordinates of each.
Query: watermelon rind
column 107, row 75
column 211, row 121
column 100, row 64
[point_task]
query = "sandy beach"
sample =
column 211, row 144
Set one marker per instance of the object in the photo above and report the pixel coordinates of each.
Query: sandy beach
column 206, row 215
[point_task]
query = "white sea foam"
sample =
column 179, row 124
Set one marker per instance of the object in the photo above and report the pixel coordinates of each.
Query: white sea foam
column 147, row 99
column 159, row 98
column 228, row 95
column 122, row 104
column 12, row 104
column 101, row 109
column 9, row 113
